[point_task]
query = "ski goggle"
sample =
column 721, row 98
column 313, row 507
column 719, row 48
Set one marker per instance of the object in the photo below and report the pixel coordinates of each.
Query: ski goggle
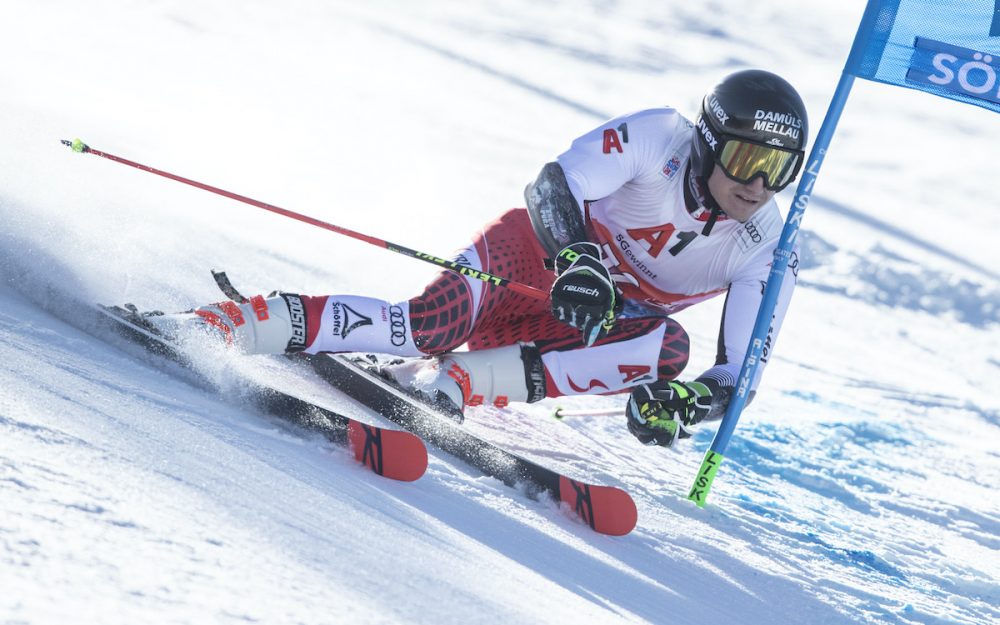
column 743, row 161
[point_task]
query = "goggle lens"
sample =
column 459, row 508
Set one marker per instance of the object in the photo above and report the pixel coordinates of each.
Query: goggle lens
column 743, row 161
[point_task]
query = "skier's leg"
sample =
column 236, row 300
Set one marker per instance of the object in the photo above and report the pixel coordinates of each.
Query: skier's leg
column 289, row 323
column 453, row 306
column 518, row 350
column 505, row 365
column 435, row 322
column 640, row 349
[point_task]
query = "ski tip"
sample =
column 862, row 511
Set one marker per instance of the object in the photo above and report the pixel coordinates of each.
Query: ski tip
column 408, row 462
column 394, row 454
column 606, row 509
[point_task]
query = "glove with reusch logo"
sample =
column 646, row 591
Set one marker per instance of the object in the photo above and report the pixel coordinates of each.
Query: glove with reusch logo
column 583, row 295
column 661, row 412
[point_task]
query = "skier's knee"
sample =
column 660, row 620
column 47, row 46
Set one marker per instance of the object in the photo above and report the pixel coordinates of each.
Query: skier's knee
column 442, row 317
column 674, row 351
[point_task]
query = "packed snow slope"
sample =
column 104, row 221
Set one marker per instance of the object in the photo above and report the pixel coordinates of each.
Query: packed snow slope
column 860, row 486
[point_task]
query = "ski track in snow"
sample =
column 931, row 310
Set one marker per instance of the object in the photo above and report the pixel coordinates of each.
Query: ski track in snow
column 860, row 486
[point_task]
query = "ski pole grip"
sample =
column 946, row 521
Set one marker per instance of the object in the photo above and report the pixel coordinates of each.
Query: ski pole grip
column 76, row 145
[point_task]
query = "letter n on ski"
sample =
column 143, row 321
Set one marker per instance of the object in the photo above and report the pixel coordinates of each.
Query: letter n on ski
column 367, row 444
column 577, row 495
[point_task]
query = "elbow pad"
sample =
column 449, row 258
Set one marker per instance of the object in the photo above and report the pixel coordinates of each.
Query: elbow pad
column 555, row 215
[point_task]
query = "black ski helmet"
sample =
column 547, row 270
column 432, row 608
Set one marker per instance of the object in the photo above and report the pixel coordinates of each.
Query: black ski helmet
column 754, row 108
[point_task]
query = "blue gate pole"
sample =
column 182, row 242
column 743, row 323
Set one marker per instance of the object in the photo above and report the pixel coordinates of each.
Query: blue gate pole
column 782, row 254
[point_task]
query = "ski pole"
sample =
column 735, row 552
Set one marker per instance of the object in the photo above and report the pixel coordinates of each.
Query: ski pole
column 560, row 413
column 79, row 146
column 782, row 256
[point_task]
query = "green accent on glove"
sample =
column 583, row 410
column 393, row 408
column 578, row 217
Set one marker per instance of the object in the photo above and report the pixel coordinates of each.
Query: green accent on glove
column 703, row 483
column 609, row 319
column 700, row 389
column 569, row 255
column 680, row 389
column 666, row 425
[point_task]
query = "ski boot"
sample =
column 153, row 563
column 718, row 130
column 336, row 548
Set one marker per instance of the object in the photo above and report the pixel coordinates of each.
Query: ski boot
column 452, row 381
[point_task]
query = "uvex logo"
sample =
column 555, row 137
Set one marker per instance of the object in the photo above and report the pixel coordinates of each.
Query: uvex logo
column 707, row 134
column 720, row 113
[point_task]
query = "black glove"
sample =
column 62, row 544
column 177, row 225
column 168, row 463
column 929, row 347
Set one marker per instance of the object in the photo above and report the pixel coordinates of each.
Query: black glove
column 583, row 294
column 662, row 412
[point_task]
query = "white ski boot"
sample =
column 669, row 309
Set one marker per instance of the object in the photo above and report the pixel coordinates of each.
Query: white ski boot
column 260, row 326
column 491, row 376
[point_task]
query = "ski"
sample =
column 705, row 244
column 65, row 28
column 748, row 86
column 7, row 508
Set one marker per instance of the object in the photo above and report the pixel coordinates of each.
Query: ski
column 395, row 454
column 606, row 509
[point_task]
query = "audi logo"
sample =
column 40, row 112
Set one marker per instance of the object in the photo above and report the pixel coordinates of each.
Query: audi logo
column 397, row 323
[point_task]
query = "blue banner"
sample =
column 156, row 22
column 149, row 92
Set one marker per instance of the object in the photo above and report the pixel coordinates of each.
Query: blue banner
column 950, row 48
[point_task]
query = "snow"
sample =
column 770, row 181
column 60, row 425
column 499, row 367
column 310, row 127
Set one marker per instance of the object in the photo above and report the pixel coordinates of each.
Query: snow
column 860, row 487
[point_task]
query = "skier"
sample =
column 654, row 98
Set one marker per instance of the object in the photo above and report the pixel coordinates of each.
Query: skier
column 641, row 217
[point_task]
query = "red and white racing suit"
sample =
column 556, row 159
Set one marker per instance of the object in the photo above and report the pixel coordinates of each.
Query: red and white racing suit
column 629, row 178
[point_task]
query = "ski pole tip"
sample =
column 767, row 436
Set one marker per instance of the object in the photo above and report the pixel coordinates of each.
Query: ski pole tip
column 76, row 145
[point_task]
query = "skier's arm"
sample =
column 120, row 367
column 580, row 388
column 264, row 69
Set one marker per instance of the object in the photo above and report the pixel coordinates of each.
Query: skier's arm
column 555, row 214
column 595, row 166
column 738, row 317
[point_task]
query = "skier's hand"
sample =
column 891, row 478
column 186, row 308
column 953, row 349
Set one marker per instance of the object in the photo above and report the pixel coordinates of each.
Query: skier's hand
column 662, row 412
column 583, row 294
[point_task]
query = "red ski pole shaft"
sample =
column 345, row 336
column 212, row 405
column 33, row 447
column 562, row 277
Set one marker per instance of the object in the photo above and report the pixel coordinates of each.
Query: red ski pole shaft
column 523, row 289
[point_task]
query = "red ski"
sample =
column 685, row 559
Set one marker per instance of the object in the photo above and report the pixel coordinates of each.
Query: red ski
column 390, row 453
column 606, row 509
